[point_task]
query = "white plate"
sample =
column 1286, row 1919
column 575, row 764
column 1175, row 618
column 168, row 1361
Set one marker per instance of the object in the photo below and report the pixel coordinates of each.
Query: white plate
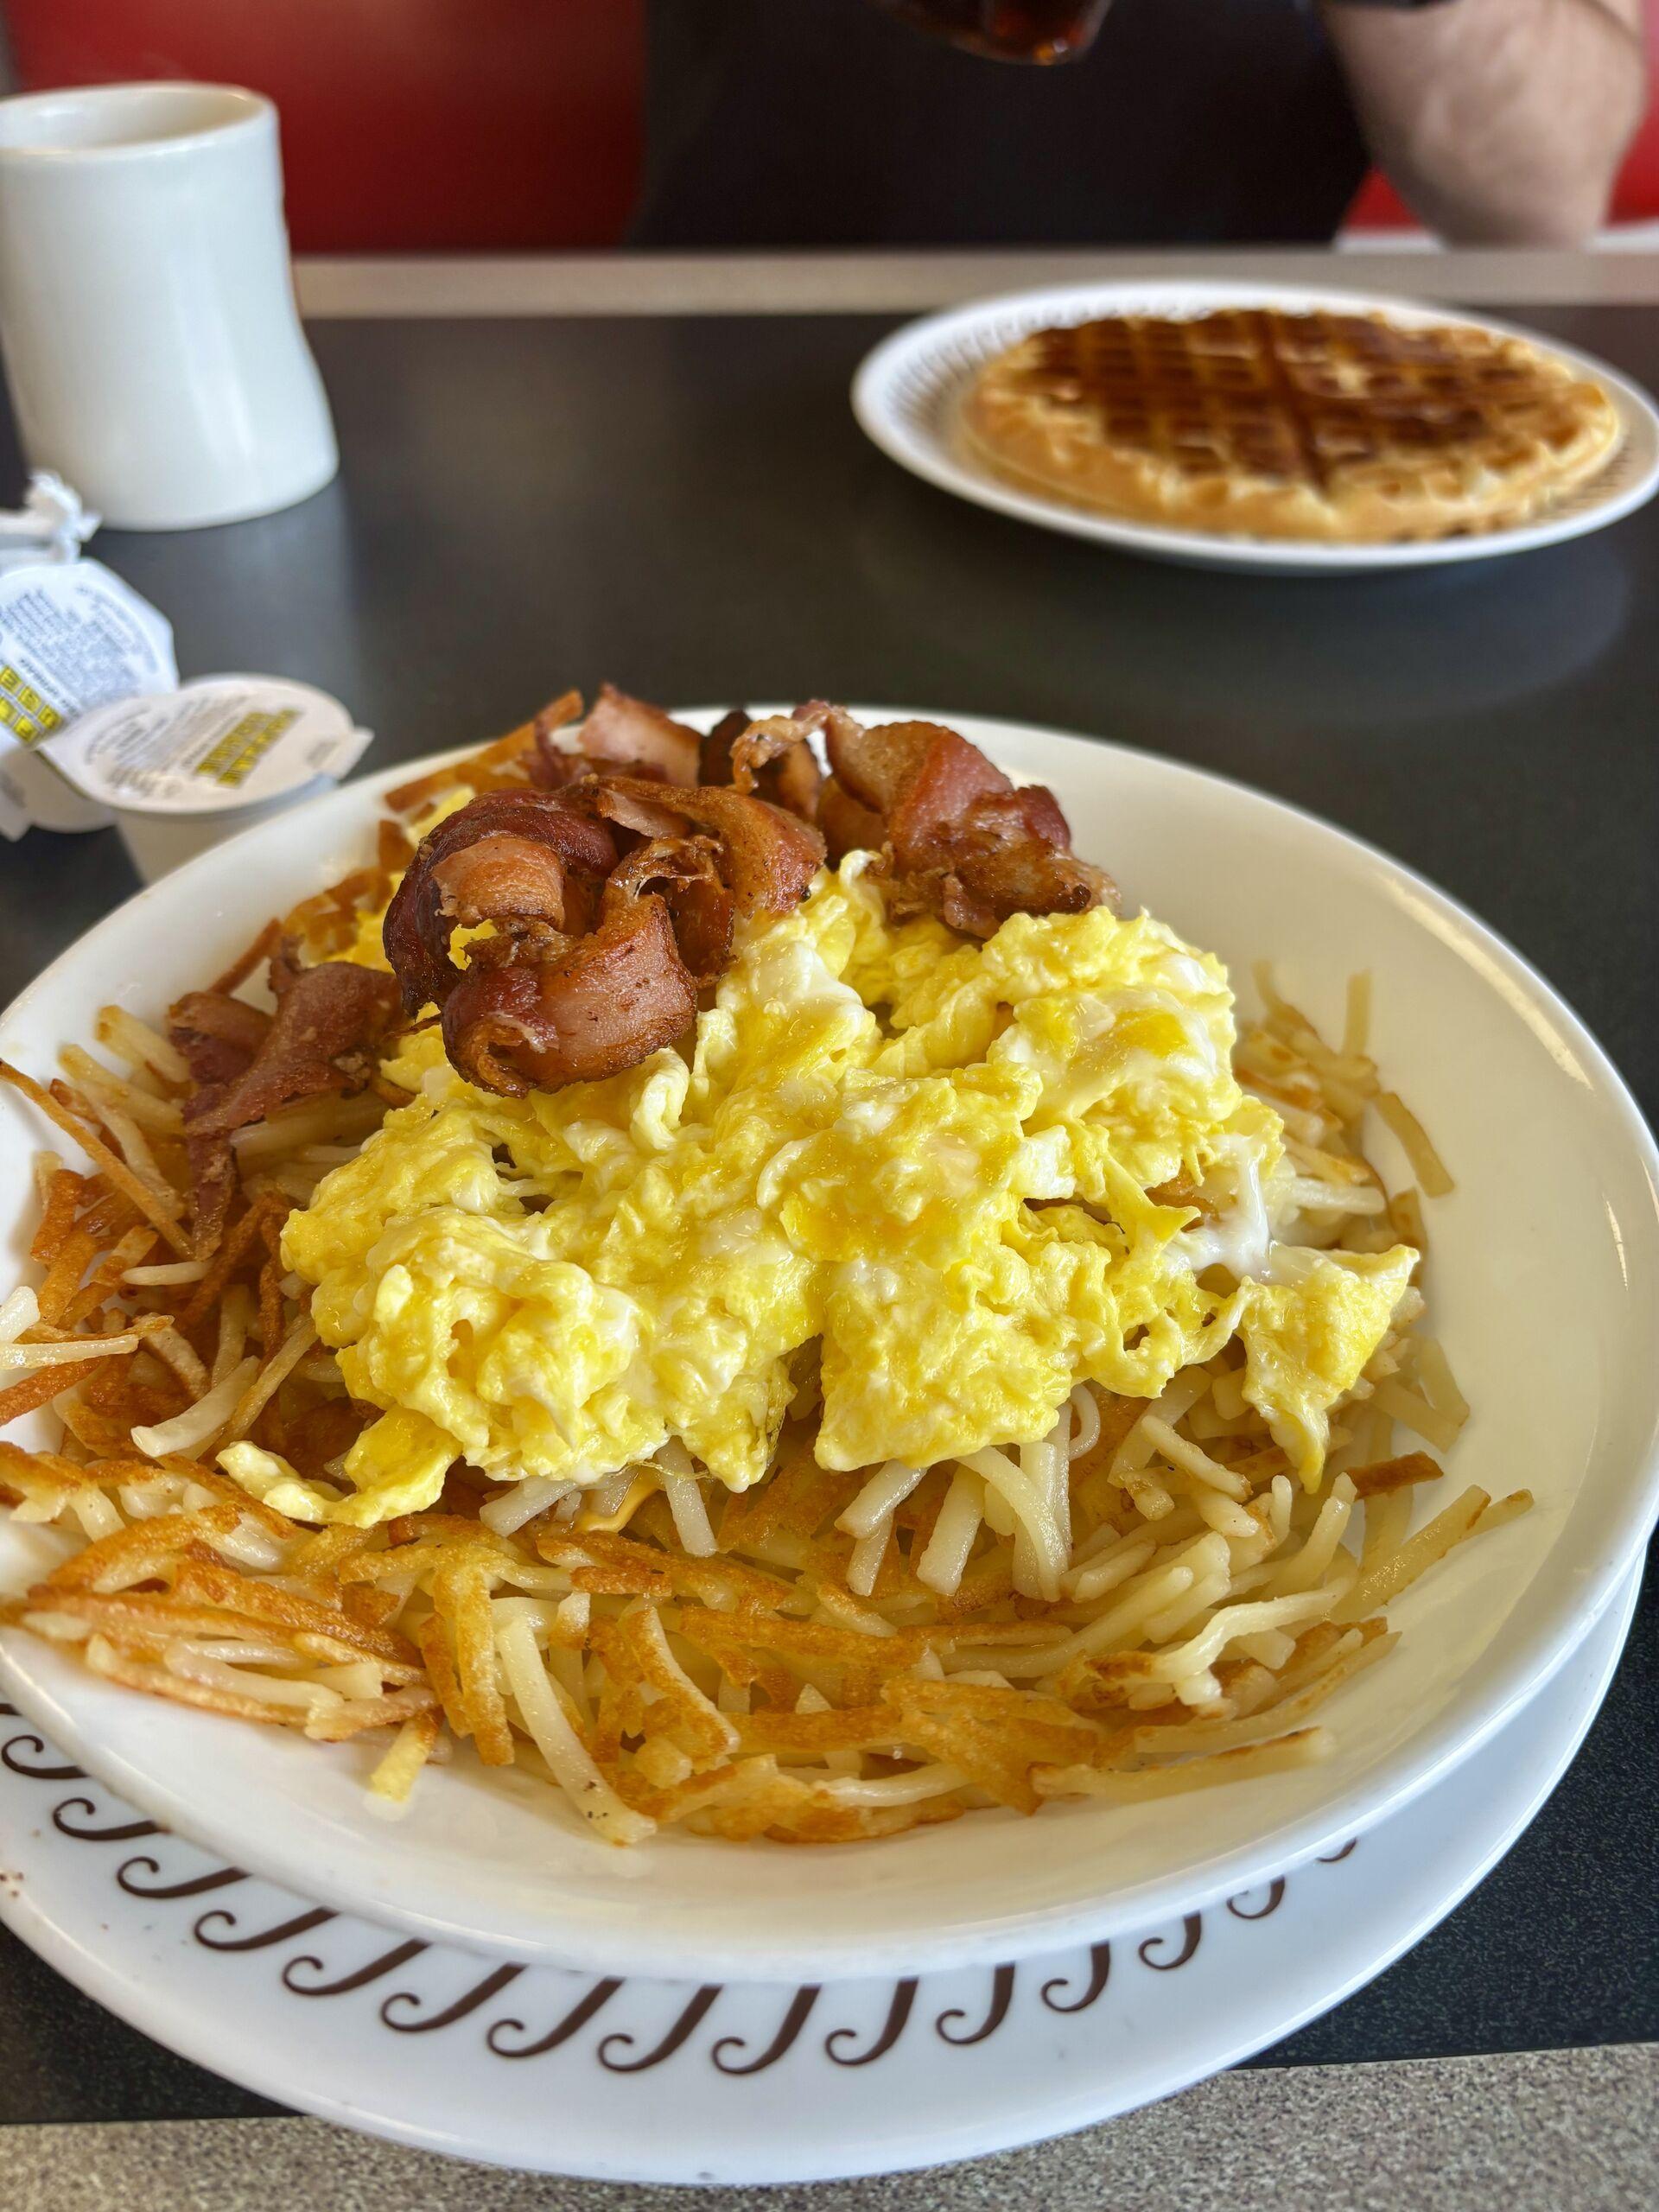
column 1545, row 1274
column 643, row 2081
column 907, row 393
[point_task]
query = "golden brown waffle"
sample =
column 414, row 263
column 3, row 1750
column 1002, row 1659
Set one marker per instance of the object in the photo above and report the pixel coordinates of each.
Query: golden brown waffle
column 1346, row 428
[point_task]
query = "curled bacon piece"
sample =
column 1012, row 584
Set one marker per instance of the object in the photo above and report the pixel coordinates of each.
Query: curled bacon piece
column 611, row 902
column 772, row 759
column 767, row 858
column 629, row 812
column 849, row 826
column 604, row 1002
column 684, row 873
column 627, row 733
column 506, row 877
column 959, row 839
column 246, row 1063
column 613, row 887
column 525, row 861
column 714, row 752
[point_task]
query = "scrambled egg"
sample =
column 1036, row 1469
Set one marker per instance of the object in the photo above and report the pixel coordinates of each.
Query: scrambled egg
column 939, row 1162
column 1307, row 1335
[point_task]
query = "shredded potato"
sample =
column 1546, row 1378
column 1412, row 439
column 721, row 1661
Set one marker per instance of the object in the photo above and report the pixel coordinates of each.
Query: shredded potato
column 1145, row 1602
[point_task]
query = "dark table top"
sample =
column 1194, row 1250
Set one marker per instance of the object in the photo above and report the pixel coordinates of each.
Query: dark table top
column 686, row 507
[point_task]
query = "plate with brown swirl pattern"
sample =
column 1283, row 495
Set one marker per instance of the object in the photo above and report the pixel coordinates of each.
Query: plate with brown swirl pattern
column 628, row 2079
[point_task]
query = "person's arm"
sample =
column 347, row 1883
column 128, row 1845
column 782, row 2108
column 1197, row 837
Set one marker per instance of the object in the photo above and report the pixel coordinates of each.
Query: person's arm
column 1502, row 122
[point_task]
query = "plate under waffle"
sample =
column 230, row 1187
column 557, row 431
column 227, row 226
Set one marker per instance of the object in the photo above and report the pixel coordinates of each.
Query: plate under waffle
column 908, row 394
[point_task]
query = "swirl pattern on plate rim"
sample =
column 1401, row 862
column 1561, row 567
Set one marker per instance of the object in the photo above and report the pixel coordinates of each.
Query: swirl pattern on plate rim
column 1068, row 1983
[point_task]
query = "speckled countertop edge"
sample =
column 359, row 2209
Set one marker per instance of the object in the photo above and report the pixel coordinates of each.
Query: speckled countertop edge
column 1569, row 2131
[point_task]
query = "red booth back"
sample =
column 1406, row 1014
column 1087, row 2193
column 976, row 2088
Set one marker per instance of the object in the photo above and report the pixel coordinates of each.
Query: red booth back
column 428, row 124
column 445, row 126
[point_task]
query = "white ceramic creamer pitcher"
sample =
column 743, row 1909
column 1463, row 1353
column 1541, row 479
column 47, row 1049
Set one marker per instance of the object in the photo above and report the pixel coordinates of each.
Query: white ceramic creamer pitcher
column 147, row 313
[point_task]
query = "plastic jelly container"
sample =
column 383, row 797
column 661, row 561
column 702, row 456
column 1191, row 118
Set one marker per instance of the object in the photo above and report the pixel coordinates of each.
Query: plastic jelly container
column 183, row 770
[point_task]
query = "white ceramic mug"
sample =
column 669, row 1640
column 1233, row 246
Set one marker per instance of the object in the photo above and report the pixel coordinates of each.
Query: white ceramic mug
column 147, row 315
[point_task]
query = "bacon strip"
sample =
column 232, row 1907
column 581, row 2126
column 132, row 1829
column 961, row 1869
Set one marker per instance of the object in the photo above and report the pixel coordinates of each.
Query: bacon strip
column 919, row 777
column 522, row 888
column 684, row 872
column 626, row 811
column 218, row 1034
column 960, row 840
column 768, row 857
column 1010, row 853
column 326, row 1015
column 772, row 758
column 628, row 732
column 613, row 887
column 849, row 826
column 530, row 849
column 247, row 1063
column 714, row 752
column 607, row 1003
column 212, row 1186
column 594, row 962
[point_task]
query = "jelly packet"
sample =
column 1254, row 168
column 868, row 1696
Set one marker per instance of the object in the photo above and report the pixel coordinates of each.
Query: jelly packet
column 71, row 636
column 182, row 770
column 94, row 727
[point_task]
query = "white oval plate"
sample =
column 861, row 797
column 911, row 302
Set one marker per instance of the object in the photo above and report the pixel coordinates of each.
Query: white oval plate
column 1545, row 1274
column 907, row 393
column 643, row 2081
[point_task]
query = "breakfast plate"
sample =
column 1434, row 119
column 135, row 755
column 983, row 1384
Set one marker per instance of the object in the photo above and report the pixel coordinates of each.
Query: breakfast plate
column 651, row 2081
column 1545, row 1277
column 908, row 390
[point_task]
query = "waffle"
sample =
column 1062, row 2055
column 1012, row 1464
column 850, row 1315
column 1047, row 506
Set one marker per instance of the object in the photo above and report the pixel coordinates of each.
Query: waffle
column 1347, row 429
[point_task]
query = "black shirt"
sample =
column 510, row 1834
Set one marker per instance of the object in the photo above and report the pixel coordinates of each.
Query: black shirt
column 783, row 123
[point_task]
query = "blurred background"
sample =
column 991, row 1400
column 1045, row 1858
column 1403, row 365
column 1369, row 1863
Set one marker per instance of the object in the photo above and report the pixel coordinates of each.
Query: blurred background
column 446, row 126
column 434, row 125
